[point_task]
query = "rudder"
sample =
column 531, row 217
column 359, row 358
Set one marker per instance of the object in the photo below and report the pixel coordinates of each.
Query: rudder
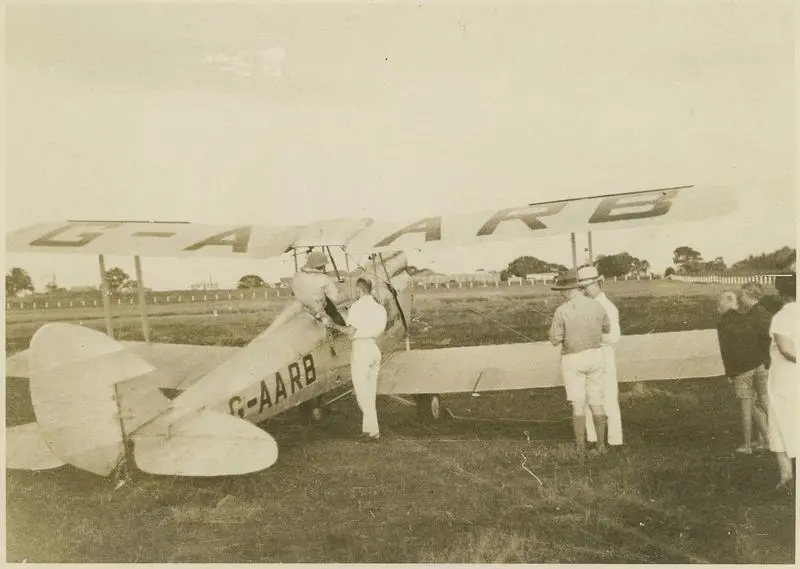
column 73, row 371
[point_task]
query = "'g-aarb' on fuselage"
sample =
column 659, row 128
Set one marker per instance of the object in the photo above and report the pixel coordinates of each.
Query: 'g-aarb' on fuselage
column 294, row 360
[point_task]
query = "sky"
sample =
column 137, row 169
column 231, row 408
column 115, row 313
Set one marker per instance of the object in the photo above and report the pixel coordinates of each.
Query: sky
column 291, row 112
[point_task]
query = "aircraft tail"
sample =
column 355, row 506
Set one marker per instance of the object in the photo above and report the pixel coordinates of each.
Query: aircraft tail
column 73, row 372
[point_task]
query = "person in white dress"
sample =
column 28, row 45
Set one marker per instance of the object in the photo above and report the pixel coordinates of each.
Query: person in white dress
column 589, row 278
column 782, row 383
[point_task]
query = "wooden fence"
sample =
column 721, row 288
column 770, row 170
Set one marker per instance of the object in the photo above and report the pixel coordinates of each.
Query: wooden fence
column 765, row 279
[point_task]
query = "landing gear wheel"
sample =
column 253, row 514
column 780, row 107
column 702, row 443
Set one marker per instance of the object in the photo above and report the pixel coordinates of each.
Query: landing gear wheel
column 312, row 410
column 429, row 408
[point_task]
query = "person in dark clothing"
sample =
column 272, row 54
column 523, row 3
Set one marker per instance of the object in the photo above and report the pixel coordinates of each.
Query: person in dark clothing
column 760, row 309
column 743, row 360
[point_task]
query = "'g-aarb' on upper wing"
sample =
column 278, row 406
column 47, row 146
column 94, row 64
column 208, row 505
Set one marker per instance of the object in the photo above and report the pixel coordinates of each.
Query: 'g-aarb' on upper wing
column 178, row 239
column 183, row 239
column 646, row 357
column 612, row 211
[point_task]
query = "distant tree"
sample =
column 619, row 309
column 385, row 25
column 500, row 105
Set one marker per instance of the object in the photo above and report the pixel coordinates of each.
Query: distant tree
column 617, row 265
column 640, row 267
column 251, row 281
column 670, row 271
column 776, row 261
column 523, row 266
column 116, row 277
column 687, row 259
column 716, row 265
column 17, row 280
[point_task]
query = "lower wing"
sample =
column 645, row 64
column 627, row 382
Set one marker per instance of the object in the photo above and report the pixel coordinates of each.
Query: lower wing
column 669, row 355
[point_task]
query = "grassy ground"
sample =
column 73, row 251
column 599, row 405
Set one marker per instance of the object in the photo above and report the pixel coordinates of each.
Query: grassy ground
column 463, row 491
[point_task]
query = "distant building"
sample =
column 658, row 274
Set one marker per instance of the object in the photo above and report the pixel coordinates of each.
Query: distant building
column 540, row 277
column 83, row 289
column 205, row 286
column 430, row 278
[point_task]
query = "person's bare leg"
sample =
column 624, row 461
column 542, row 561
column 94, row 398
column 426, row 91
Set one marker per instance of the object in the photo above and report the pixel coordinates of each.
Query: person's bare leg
column 762, row 423
column 785, row 468
column 747, row 425
column 601, row 421
column 579, row 428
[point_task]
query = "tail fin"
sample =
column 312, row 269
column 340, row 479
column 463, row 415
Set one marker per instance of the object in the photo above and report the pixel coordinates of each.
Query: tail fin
column 73, row 371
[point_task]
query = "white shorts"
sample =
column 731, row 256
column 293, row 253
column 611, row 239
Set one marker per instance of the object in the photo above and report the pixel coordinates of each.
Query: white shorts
column 583, row 376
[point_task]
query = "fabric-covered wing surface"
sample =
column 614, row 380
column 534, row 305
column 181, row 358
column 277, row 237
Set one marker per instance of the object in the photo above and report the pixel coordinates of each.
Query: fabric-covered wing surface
column 670, row 355
column 362, row 235
column 181, row 363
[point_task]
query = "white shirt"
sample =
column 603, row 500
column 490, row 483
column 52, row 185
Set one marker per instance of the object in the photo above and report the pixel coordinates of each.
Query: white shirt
column 311, row 287
column 367, row 317
column 614, row 333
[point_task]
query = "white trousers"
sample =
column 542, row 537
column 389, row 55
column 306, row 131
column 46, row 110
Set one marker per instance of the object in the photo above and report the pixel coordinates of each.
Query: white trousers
column 365, row 363
column 610, row 401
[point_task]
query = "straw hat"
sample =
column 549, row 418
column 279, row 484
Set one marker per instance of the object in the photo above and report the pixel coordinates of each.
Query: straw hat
column 566, row 281
column 588, row 275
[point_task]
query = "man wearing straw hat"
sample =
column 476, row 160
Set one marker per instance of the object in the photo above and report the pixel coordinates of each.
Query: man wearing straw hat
column 578, row 326
column 590, row 279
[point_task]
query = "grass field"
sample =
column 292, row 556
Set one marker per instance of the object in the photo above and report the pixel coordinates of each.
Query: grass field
column 474, row 490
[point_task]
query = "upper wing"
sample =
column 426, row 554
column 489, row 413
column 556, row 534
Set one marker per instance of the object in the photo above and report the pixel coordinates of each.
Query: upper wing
column 178, row 239
column 615, row 211
column 670, row 355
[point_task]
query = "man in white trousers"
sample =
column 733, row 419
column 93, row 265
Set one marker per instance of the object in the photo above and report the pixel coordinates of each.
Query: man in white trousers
column 366, row 320
column 589, row 279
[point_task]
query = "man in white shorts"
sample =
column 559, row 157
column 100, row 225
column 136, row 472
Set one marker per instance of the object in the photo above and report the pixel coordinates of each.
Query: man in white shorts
column 578, row 326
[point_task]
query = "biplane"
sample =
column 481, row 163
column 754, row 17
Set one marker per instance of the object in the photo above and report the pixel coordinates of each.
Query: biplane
column 193, row 410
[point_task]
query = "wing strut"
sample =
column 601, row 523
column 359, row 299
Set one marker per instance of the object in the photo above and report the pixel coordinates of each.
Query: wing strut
column 393, row 291
column 574, row 251
column 106, row 296
column 142, row 303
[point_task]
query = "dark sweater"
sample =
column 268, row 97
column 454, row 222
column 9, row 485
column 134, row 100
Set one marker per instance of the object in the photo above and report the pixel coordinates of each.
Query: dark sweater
column 760, row 319
column 740, row 343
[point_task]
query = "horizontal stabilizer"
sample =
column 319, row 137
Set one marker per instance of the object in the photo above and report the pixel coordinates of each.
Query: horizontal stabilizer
column 27, row 450
column 206, row 443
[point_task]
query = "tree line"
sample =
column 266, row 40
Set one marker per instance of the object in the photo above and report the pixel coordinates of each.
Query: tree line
column 689, row 261
column 686, row 261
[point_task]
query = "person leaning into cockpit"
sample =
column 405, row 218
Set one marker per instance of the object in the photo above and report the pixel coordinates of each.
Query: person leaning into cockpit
column 316, row 290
